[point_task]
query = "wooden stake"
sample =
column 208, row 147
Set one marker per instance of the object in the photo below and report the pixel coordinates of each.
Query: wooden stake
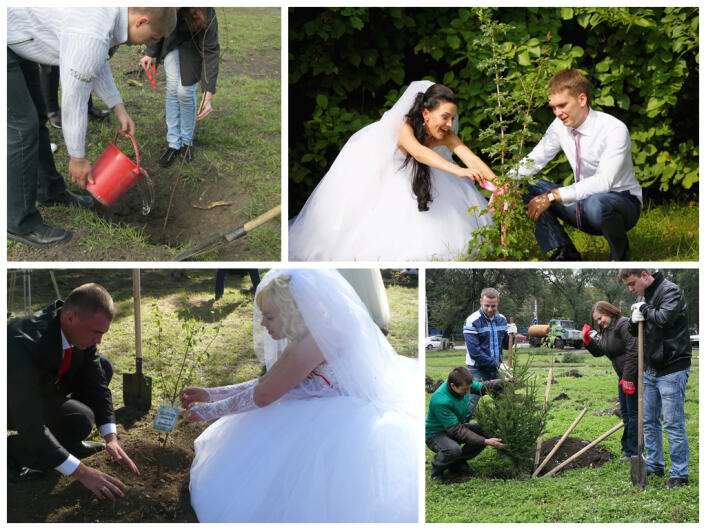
column 582, row 451
column 558, row 445
column 510, row 339
column 539, row 438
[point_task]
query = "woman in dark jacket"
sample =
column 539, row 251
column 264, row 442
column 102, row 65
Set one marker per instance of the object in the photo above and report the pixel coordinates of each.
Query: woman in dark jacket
column 615, row 342
column 190, row 54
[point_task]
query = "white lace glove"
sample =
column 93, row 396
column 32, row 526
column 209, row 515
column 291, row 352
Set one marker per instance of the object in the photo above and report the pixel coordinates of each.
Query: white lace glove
column 218, row 393
column 240, row 400
column 512, row 328
column 637, row 315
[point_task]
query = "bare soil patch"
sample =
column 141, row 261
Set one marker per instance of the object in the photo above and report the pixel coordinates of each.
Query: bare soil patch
column 159, row 494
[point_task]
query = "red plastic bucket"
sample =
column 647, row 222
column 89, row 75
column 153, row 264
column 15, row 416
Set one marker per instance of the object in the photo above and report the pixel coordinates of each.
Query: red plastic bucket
column 114, row 173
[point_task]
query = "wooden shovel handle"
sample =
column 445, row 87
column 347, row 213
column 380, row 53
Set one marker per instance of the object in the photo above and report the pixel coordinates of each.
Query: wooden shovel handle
column 138, row 319
column 559, row 443
column 546, row 399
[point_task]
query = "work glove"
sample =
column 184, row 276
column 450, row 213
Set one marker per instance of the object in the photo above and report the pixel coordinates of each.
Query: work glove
column 628, row 387
column 637, row 315
column 512, row 328
column 586, row 333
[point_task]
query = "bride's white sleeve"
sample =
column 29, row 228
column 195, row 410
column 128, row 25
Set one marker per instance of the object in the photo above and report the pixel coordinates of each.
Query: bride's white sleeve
column 232, row 399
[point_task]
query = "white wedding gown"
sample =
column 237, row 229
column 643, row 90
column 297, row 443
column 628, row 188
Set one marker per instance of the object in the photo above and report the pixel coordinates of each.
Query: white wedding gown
column 341, row 446
column 364, row 208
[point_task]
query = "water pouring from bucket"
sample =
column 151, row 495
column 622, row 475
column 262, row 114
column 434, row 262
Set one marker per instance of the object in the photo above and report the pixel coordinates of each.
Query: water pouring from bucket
column 114, row 173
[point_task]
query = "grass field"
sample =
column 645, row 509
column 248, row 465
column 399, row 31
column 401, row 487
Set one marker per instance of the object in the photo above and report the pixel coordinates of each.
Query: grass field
column 600, row 495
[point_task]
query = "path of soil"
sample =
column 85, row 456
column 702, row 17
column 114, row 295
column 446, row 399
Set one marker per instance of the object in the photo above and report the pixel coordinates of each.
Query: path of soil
column 159, row 494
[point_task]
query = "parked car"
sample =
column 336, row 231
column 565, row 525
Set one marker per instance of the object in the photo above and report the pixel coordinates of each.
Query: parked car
column 694, row 337
column 437, row 342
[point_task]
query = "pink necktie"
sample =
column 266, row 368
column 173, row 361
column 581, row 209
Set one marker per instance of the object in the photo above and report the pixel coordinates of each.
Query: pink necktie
column 578, row 173
column 65, row 362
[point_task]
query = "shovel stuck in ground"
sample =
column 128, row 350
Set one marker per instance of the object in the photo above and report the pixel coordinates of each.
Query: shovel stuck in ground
column 638, row 465
column 137, row 388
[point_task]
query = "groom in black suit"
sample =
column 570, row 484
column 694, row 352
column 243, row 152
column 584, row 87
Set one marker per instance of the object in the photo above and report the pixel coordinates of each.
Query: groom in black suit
column 57, row 389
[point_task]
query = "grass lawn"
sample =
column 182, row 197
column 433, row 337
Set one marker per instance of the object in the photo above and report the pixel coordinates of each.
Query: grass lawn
column 235, row 175
column 587, row 495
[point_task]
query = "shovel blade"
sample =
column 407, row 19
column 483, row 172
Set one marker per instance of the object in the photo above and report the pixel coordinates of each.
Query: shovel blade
column 137, row 391
column 638, row 471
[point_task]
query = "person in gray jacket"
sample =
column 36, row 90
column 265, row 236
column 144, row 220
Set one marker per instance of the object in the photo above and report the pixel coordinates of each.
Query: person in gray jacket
column 662, row 307
column 615, row 342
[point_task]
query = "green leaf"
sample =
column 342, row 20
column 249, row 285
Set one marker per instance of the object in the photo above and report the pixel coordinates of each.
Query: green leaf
column 567, row 13
column 453, row 41
column 322, row 100
column 448, row 78
column 524, row 59
column 356, row 23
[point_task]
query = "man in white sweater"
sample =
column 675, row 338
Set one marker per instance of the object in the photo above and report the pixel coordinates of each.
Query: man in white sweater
column 78, row 40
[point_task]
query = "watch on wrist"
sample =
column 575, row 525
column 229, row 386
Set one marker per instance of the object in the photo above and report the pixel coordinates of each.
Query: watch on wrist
column 551, row 197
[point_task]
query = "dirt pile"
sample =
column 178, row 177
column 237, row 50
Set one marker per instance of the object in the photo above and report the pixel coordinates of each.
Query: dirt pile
column 594, row 457
column 159, row 494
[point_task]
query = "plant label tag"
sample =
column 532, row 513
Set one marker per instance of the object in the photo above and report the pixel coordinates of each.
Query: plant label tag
column 166, row 419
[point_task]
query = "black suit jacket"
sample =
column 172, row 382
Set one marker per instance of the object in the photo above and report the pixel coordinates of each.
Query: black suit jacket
column 34, row 352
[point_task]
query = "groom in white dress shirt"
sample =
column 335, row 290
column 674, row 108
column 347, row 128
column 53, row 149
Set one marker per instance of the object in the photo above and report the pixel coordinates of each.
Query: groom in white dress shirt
column 605, row 198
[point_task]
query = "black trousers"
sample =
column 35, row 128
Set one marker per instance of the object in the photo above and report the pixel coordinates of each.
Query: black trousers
column 449, row 451
column 31, row 173
column 70, row 421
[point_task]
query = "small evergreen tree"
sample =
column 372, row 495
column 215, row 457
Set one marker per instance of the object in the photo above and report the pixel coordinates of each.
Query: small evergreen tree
column 515, row 415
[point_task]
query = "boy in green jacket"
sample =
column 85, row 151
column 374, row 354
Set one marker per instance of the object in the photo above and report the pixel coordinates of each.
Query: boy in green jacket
column 454, row 441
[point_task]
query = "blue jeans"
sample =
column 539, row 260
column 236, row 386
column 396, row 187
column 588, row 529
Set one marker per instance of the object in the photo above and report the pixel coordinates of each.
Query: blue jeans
column 665, row 395
column 479, row 374
column 628, row 409
column 611, row 214
column 181, row 104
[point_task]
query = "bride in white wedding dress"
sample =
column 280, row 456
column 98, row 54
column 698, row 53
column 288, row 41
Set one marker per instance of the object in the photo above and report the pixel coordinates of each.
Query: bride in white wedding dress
column 328, row 434
column 394, row 191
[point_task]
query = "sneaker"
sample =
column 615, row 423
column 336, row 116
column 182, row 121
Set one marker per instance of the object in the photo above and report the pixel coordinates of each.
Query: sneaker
column 659, row 473
column 676, row 482
column 437, row 475
column 566, row 253
column 167, row 159
column 624, row 459
column 42, row 236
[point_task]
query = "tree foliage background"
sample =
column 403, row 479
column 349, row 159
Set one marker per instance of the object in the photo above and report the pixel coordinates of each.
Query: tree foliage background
column 453, row 294
column 347, row 65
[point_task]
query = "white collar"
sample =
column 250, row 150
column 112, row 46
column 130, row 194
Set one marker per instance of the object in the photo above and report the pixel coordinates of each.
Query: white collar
column 585, row 128
column 65, row 344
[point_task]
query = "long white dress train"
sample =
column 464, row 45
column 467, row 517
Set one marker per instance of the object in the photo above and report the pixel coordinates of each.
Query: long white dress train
column 341, row 446
column 364, row 208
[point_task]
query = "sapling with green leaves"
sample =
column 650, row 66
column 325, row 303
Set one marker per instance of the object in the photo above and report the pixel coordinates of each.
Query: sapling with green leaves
column 177, row 362
column 515, row 414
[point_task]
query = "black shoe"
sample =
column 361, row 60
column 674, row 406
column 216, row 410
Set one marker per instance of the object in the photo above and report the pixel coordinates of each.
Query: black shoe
column 87, row 448
column 22, row 473
column 659, row 473
column 437, row 475
column 566, row 253
column 168, row 157
column 97, row 113
column 676, row 482
column 462, row 468
column 42, row 236
column 69, row 198
column 189, row 153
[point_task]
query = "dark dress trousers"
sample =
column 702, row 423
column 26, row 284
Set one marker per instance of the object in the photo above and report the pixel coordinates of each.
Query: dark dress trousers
column 52, row 418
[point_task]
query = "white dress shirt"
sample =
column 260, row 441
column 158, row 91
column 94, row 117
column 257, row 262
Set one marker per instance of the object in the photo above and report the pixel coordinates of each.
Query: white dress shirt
column 69, row 465
column 78, row 40
column 606, row 160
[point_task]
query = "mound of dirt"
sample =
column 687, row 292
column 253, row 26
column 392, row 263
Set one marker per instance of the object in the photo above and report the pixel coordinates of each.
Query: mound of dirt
column 594, row 457
column 610, row 410
column 561, row 397
column 159, row 494
column 571, row 373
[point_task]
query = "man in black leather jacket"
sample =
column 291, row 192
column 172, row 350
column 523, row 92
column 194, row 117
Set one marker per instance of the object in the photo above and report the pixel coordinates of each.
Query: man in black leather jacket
column 662, row 307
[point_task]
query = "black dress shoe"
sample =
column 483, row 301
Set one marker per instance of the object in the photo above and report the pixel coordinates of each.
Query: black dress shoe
column 566, row 253
column 97, row 113
column 87, row 448
column 42, row 236
column 22, row 473
column 676, row 482
column 69, row 198
column 189, row 153
column 168, row 157
column 659, row 473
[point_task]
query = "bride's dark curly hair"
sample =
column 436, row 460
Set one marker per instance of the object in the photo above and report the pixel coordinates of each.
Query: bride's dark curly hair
column 431, row 99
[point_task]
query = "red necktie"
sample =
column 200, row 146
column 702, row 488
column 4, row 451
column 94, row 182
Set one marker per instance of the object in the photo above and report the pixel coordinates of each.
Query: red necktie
column 65, row 362
column 578, row 173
